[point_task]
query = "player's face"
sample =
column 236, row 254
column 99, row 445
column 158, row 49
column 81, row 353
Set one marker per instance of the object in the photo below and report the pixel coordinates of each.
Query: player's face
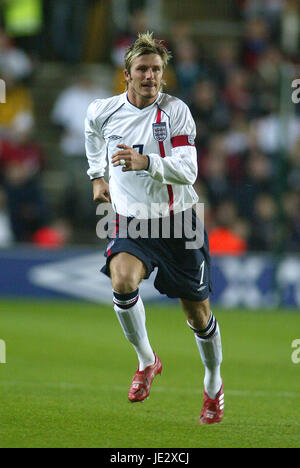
column 144, row 79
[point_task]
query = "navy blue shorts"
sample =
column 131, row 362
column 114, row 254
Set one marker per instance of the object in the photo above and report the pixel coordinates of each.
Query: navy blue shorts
column 181, row 272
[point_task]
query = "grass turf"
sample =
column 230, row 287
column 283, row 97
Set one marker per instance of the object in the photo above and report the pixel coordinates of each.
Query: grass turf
column 69, row 366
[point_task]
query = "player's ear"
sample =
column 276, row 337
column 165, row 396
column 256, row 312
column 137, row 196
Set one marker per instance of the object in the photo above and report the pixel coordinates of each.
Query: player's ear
column 127, row 75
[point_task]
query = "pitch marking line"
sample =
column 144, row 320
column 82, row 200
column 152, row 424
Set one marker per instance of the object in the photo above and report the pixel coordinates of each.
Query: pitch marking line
column 70, row 386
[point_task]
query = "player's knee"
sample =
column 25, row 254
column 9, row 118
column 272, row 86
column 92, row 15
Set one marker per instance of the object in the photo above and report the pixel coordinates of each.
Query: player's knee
column 124, row 285
column 126, row 273
column 124, row 281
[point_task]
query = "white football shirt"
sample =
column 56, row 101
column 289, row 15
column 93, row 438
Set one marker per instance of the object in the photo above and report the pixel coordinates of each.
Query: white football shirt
column 165, row 131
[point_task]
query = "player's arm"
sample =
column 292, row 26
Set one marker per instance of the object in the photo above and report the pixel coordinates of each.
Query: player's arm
column 179, row 167
column 96, row 154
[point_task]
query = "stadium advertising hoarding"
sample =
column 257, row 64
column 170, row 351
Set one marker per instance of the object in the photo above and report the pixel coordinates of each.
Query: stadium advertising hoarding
column 251, row 281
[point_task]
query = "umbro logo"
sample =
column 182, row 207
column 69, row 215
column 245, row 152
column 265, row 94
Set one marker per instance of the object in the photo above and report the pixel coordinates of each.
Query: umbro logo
column 201, row 289
column 114, row 137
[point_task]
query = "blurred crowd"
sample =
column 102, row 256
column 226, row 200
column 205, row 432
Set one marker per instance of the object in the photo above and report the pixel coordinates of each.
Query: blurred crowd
column 249, row 168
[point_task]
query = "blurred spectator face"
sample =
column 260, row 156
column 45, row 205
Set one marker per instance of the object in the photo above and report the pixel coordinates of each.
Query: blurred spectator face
column 226, row 214
column 265, row 208
column 238, row 79
column 180, row 30
column 269, row 65
column 256, row 30
column 291, row 205
column 293, row 177
column 186, row 52
column 239, row 122
column 273, row 56
column 295, row 154
column 204, row 95
column 217, row 146
column 236, row 93
column 259, row 167
column 138, row 22
column 215, row 167
column 242, row 228
column 256, row 39
column 226, row 53
column 238, row 137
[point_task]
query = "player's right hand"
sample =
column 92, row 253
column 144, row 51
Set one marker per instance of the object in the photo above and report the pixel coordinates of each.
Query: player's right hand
column 101, row 191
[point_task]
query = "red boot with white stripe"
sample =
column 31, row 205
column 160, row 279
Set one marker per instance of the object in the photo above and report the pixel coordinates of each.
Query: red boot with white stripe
column 142, row 380
column 212, row 410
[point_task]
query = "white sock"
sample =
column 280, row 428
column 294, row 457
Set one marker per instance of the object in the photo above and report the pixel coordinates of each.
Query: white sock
column 210, row 348
column 130, row 311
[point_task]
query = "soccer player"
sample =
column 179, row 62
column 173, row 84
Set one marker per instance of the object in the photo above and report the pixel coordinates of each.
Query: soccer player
column 147, row 139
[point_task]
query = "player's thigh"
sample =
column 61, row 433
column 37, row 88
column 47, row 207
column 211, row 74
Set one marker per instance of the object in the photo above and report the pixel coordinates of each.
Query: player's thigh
column 126, row 271
column 197, row 312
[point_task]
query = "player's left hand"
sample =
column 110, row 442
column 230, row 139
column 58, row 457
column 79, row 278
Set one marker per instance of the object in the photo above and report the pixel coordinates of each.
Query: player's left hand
column 134, row 160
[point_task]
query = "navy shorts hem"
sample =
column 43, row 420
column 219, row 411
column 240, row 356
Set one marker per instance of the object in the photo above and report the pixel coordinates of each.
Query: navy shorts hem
column 183, row 295
column 149, row 268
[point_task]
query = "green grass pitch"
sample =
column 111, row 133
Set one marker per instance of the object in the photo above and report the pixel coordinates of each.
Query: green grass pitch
column 69, row 366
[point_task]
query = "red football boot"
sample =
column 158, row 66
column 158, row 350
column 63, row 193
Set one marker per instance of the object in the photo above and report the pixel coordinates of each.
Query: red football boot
column 142, row 380
column 212, row 410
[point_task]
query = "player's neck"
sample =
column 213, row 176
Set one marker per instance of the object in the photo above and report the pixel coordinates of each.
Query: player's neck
column 139, row 101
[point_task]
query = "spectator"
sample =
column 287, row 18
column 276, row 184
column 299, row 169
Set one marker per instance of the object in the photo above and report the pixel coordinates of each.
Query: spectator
column 238, row 138
column 223, row 238
column 138, row 22
column 68, row 23
column 21, row 164
column 209, row 112
column 14, row 61
column 265, row 235
column 213, row 170
column 236, row 93
column 259, row 174
column 268, row 68
column 256, row 40
column 290, row 203
column 188, row 68
column 53, row 236
column 270, row 10
column 270, row 134
column 226, row 60
column 16, row 116
column 68, row 114
column 290, row 29
column 293, row 170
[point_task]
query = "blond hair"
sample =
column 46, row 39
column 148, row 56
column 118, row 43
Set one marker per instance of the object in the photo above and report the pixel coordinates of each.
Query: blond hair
column 146, row 44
